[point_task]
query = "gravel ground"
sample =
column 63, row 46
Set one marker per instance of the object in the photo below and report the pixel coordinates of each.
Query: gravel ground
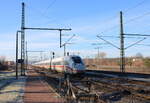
column 11, row 90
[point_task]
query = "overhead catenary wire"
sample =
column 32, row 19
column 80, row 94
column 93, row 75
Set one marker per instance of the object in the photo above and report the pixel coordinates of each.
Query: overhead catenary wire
column 128, row 21
column 122, row 49
column 42, row 14
column 144, row 44
column 137, row 17
column 134, row 43
column 99, row 43
column 138, row 35
column 135, row 6
column 119, row 37
column 38, row 12
column 50, row 5
column 133, row 19
column 110, row 29
column 108, row 42
column 68, row 39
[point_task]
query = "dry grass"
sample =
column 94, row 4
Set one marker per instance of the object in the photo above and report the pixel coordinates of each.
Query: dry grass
column 117, row 68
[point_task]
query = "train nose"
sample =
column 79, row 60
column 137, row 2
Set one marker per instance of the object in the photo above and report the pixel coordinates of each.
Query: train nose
column 79, row 66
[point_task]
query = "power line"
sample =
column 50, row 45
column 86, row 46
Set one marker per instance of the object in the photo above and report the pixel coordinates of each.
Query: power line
column 68, row 39
column 50, row 5
column 108, row 42
column 44, row 11
column 127, row 10
column 131, row 20
column 135, row 6
column 110, row 29
column 111, row 36
column 134, row 43
column 41, row 14
column 99, row 43
column 44, row 16
column 144, row 44
column 110, row 19
column 67, row 42
column 138, row 35
column 119, row 37
column 122, row 49
column 137, row 17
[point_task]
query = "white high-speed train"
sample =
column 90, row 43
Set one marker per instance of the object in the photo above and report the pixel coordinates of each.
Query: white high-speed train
column 68, row 64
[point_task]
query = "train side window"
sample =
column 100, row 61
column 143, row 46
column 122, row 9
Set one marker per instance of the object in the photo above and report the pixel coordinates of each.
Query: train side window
column 58, row 63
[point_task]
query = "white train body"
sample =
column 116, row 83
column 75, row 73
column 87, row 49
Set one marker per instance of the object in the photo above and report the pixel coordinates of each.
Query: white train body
column 67, row 64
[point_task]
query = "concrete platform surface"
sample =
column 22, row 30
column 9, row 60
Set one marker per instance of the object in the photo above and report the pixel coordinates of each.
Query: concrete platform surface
column 12, row 90
column 38, row 91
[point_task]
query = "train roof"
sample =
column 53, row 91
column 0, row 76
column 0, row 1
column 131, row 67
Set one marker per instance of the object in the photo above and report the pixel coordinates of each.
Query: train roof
column 42, row 62
column 56, row 59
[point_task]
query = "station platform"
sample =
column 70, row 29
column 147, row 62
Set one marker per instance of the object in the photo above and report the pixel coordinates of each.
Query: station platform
column 38, row 91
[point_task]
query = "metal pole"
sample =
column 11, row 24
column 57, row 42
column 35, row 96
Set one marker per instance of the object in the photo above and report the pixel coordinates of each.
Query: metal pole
column 60, row 38
column 39, row 28
column 26, row 56
column 53, row 55
column 122, row 54
column 98, row 52
column 98, row 57
column 64, row 49
column 41, row 55
column 23, row 40
column 17, row 55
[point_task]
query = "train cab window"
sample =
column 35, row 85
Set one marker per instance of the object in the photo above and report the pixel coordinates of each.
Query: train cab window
column 77, row 59
column 66, row 63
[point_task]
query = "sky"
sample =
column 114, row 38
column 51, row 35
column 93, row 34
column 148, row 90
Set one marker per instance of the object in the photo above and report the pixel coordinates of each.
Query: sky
column 86, row 18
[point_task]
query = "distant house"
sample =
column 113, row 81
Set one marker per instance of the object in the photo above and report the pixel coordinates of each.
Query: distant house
column 9, row 63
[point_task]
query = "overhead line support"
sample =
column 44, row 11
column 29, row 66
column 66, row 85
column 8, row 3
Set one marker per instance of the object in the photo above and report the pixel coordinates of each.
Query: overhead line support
column 135, row 43
column 108, row 42
column 122, row 53
column 23, row 40
column 137, row 35
column 57, row 29
column 122, row 49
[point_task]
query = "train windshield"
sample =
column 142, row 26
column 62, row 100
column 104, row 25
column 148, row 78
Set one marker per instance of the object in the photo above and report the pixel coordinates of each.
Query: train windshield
column 77, row 59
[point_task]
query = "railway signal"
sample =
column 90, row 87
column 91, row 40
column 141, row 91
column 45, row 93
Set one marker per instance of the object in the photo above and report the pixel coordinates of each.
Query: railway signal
column 53, row 53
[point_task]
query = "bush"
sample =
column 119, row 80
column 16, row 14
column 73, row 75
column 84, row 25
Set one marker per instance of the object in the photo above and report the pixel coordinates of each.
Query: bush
column 3, row 66
column 147, row 62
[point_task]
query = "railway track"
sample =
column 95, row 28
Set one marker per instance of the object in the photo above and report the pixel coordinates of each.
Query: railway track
column 100, row 89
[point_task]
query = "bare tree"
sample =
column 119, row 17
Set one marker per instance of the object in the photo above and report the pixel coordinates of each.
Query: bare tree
column 3, row 66
column 139, row 55
column 2, row 59
column 102, row 55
